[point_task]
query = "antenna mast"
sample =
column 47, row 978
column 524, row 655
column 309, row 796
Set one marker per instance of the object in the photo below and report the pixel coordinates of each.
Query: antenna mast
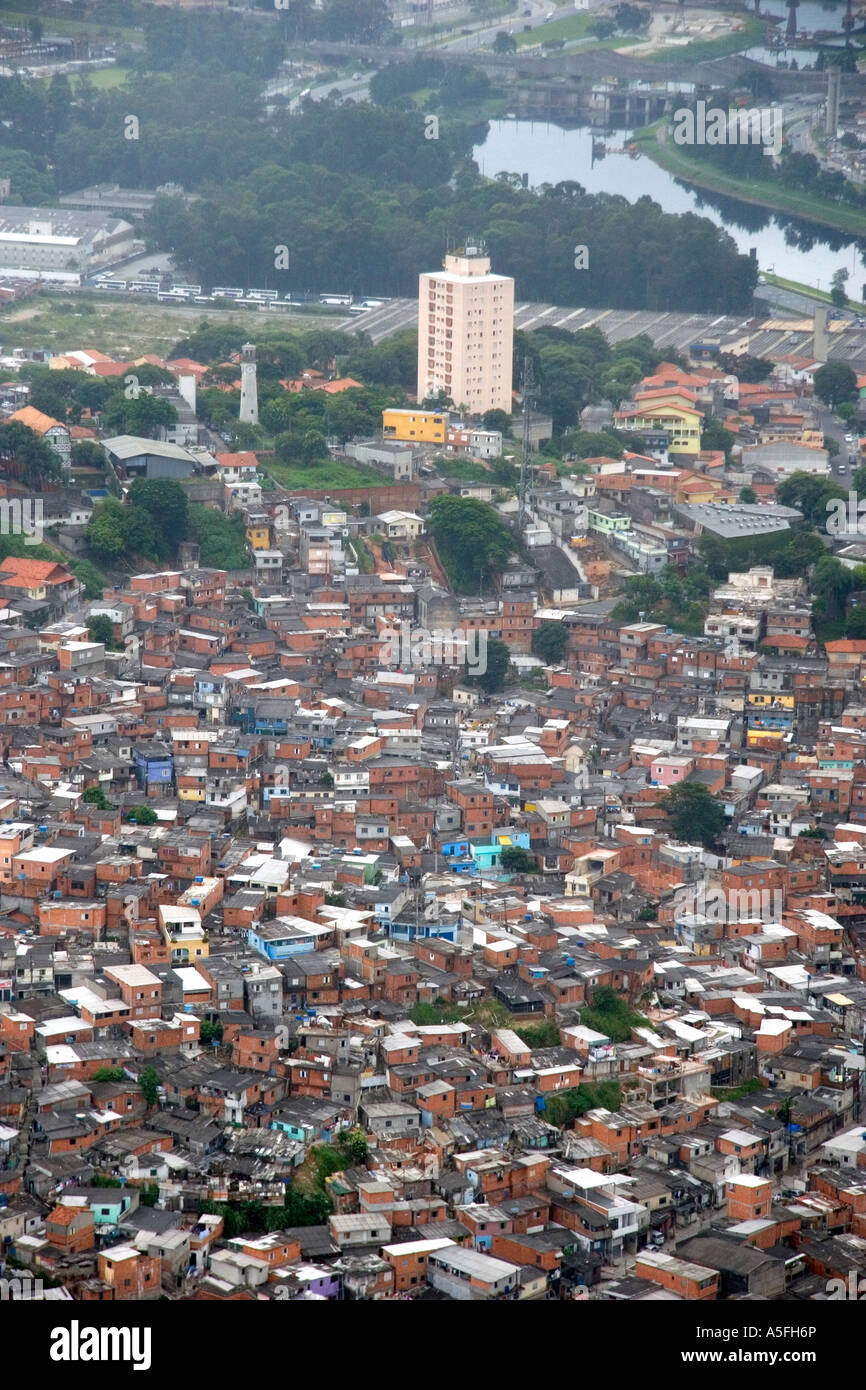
column 526, row 447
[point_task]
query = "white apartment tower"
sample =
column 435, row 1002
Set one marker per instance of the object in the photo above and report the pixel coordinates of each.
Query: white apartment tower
column 249, row 410
column 466, row 332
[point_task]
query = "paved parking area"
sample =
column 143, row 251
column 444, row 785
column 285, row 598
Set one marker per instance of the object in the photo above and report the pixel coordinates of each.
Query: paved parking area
column 770, row 337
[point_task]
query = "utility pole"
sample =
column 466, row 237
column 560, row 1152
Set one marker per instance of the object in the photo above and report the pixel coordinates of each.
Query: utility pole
column 525, row 450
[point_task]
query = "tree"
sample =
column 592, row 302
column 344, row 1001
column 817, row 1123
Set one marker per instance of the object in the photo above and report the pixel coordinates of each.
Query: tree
column 609, row 1013
column 148, row 1081
column 95, row 796
column 35, row 461
column 855, row 623
column 748, row 494
column 497, row 420
column 516, row 860
column 567, row 1106
column 471, row 540
column 222, row 539
column 831, row 584
column 498, row 662
column 143, row 415
column 88, row 453
column 109, row 1074
column 105, row 531
column 100, row 629
column 837, row 287
column 695, row 812
column 166, row 503
column 715, row 436
column 745, row 367
column 504, row 42
column 210, row 1031
column 314, row 447
column 835, row 382
column 810, row 495
column 143, row 815
column 550, row 641
column 353, row 1143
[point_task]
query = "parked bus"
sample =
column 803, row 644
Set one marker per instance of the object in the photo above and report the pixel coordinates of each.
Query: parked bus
column 343, row 300
column 227, row 293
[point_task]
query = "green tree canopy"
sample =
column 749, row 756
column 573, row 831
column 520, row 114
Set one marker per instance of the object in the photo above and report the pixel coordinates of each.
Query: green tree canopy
column 149, row 1082
column 95, row 796
column 835, row 382
column 167, row 505
column 471, row 540
column 695, row 812
column 498, row 662
column 516, row 860
column 549, row 641
column 100, row 629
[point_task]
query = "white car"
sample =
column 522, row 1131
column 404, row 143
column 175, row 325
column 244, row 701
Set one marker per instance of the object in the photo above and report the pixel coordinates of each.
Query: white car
column 849, row 439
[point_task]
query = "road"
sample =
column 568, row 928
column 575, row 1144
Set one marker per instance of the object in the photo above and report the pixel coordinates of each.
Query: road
column 485, row 34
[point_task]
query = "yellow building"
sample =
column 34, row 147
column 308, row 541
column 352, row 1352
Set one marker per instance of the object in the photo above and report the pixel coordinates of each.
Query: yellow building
column 771, row 700
column 183, row 933
column 424, row 426
column 259, row 535
column 681, row 422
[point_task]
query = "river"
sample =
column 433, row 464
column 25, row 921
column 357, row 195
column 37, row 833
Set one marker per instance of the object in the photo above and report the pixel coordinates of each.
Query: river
column 549, row 153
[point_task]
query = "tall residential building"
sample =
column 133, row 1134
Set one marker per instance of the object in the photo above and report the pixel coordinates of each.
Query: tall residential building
column 249, row 410
column 466, row 333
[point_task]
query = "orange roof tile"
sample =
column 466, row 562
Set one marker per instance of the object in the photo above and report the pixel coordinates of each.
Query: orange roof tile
column 17, row 569
column 34, row 419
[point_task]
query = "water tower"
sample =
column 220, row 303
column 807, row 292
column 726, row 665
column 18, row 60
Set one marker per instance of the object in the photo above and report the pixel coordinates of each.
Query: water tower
column 249, row 411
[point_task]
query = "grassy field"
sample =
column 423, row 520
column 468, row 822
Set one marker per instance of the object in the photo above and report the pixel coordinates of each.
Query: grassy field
column 574, row 26
column 101, row 78
column 704, row 50
column 123, row 328
column 73, row 26
column 767, row 194
column 330, row 474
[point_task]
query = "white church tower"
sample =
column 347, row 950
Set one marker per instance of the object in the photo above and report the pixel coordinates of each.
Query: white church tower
column 249, row 411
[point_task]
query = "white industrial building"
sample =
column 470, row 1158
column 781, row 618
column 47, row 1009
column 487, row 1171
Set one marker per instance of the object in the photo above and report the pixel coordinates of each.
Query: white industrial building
column 58, row 245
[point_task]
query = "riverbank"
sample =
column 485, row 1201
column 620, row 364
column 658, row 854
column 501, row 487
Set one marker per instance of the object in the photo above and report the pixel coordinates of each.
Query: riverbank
column 762, row 193
column 809, row 292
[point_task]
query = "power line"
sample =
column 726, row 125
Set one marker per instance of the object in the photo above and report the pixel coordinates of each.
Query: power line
column 528, row 385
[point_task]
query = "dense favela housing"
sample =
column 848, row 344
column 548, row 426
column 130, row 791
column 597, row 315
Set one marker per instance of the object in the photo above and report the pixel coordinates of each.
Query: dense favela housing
column 364, row 938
